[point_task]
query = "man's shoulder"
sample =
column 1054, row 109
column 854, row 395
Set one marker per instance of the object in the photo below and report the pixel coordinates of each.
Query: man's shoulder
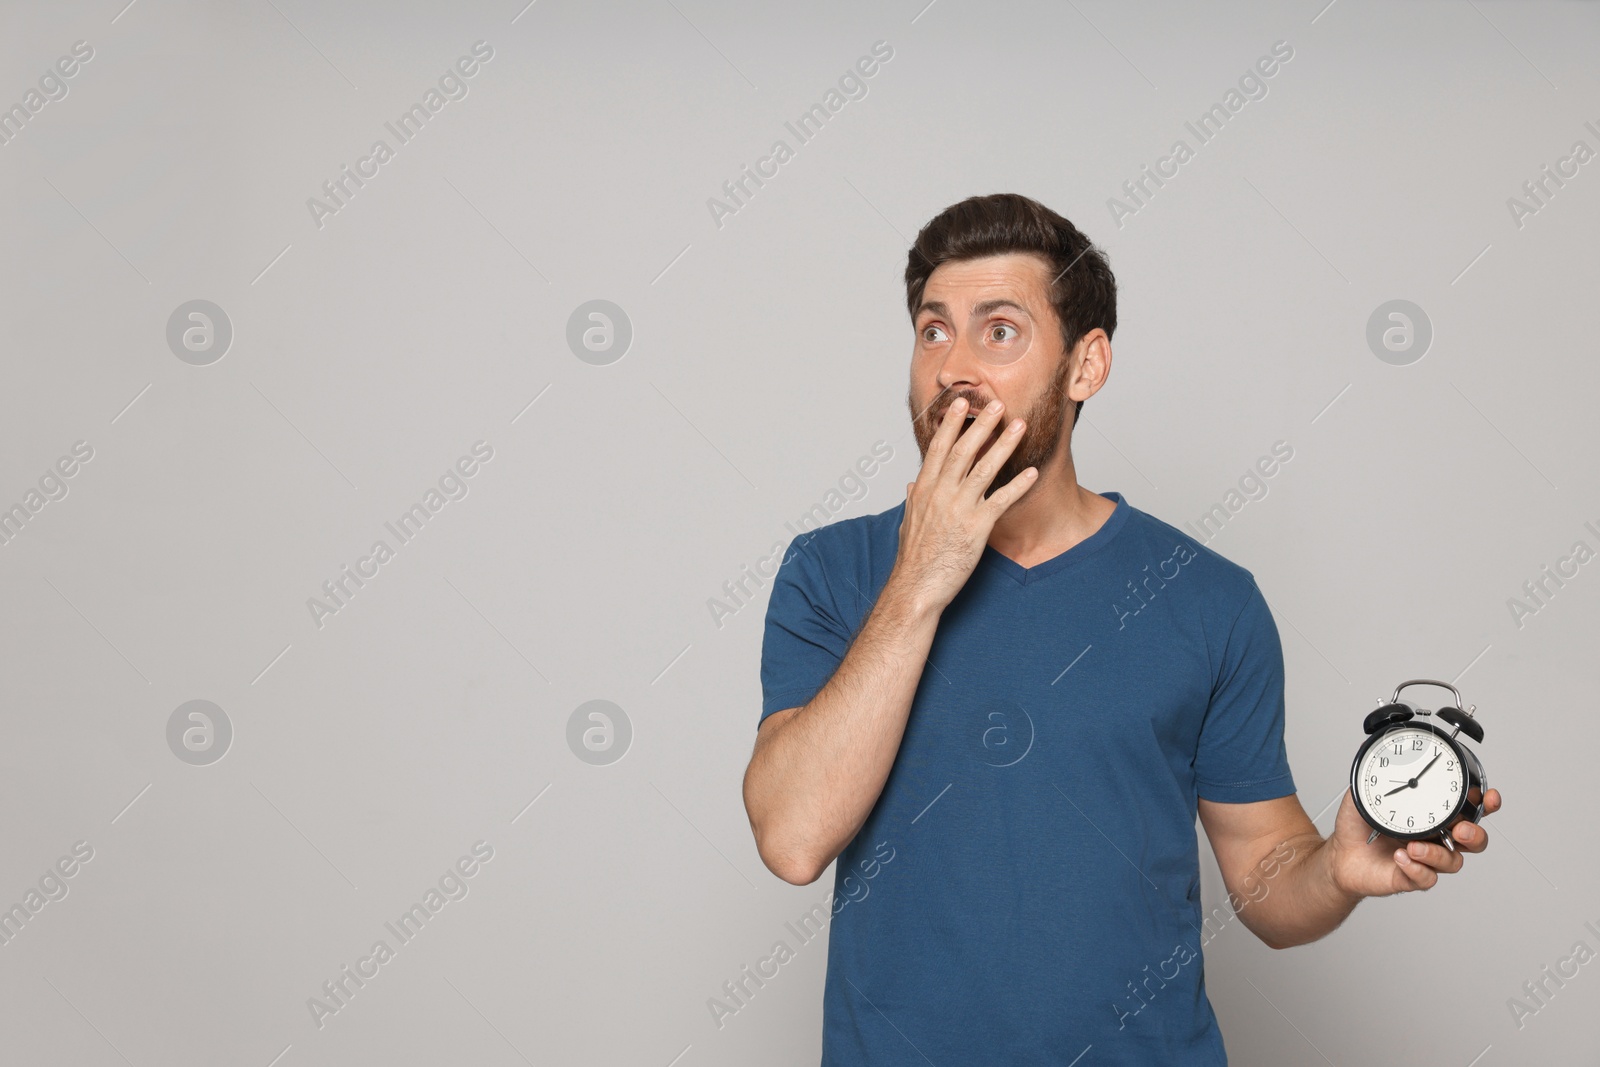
column 859, row 537
column 838, row 569
column 1232, row 579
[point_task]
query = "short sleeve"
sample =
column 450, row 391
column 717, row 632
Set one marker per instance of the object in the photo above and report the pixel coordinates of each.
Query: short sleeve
column 805, row 639
column 1241, row 755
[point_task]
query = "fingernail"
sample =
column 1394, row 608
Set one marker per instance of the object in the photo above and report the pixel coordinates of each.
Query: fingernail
column 958, row 404
column 1404, row 860
column 994, row 405
column 1016, row 426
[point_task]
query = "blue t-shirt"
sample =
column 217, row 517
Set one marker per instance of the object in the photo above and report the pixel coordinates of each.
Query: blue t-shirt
column 1027, row 886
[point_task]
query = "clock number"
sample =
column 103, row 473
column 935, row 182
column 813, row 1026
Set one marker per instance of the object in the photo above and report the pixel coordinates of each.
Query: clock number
column 1454, row 786
column 1383, row 761
column 1449, row 764
column 1411, row 820
column 1416, row 744
column 1397, row 748
column 1372, row 779
column 1391, row 816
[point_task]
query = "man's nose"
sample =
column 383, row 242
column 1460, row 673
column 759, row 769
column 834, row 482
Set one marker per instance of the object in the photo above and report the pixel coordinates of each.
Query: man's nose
column 962, row 364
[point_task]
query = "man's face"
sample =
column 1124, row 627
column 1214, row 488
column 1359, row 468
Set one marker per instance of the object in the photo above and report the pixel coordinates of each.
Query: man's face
column 986, row 330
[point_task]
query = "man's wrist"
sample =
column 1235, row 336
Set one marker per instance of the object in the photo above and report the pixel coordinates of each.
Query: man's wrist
column 909, row 600
column 1337, row 863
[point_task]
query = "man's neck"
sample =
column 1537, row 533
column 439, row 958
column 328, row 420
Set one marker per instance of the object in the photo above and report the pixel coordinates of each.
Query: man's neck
column 1054, row 515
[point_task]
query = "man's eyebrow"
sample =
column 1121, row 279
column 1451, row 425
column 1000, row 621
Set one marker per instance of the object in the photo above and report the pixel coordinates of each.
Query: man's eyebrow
column 982, row 308
column 992, row 305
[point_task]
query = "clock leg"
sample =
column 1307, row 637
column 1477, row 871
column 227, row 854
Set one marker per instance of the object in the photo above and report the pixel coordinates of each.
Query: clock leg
column 1372, row 837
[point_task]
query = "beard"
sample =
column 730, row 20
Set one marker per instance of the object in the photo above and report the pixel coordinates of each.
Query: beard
column 1045, row 420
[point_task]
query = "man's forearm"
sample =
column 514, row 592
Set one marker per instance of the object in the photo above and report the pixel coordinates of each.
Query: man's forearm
column 1300, row 902
column 811, row 785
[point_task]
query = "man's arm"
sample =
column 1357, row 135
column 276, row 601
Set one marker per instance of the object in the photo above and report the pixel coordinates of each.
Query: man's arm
column 818, row 769
column 1296, row 887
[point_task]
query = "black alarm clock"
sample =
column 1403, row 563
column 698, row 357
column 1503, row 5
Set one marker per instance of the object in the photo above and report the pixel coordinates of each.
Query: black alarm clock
column 1411, row 779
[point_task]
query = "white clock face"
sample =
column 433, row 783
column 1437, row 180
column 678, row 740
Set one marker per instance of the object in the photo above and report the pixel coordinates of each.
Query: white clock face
column 1410, row 781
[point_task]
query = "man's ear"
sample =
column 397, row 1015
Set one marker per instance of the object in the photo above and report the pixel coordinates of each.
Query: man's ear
column 1091, row 365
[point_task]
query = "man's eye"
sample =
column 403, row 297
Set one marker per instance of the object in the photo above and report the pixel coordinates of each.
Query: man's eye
column 1002, row 326
column 928, row 333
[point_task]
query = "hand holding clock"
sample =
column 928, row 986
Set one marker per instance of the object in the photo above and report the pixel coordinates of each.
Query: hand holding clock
column 1382, row 869
column 1384, row 840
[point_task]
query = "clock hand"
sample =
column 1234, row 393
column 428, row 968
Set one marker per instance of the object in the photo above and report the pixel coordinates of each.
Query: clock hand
column 1412, row 783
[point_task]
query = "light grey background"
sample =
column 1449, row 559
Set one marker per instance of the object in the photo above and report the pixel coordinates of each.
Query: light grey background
column 768, row 354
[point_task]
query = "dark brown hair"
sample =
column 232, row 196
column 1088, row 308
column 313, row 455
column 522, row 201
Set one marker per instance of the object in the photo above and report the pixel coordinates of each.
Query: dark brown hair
column 1083, row 292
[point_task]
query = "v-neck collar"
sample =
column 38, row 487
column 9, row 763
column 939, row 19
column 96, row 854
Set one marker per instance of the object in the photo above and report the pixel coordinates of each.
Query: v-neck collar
column 1087, row 547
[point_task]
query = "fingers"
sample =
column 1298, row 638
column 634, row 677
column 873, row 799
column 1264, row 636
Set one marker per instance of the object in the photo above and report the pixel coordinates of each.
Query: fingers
column 1423, row 862
column 1008, row 494
column 1418, row 874
column 959, row 462
column 933, row 463
column 1470, row 836
column 984, row 470
column 1436, row 856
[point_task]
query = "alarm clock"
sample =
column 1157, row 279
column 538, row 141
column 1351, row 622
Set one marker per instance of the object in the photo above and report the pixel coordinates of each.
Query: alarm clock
column 1411, row 779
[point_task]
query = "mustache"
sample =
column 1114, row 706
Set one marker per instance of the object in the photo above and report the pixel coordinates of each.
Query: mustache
column 975, row 404
column 924, row 412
